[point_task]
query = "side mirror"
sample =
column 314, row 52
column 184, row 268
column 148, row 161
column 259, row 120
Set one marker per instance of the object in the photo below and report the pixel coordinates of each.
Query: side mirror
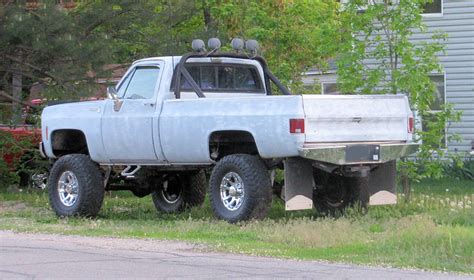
column 112, row 93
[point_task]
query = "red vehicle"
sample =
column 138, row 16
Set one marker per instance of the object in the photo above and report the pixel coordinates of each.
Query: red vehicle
column 20, row 154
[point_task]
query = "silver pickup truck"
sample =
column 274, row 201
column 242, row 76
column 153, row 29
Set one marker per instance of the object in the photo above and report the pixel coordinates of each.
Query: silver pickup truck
column 171, row 119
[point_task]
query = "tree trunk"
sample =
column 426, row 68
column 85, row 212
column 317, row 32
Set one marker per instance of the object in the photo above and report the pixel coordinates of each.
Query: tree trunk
column 209, row 23
column 17, row 85
column 406, row 186
column 405, row 180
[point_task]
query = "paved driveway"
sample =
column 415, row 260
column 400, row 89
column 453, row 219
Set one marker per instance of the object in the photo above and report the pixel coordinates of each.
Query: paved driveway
column 41, row 256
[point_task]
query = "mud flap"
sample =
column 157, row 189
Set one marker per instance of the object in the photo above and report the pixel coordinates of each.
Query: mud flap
column 298, row 184
column 382, row 184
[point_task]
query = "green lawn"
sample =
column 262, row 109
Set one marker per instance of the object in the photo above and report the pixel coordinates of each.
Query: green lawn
column 435, row 230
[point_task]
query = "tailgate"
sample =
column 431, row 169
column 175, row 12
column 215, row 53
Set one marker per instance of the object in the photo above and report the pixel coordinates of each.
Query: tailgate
column 355, row 118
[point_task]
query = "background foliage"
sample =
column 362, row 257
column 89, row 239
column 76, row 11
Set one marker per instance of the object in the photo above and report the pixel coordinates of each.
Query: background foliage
column 66, row 49
column 63, row 48
column 378, row 57
column 17, row 155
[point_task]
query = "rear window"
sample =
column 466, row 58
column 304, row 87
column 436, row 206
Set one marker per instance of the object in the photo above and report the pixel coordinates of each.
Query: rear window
column 224, row 78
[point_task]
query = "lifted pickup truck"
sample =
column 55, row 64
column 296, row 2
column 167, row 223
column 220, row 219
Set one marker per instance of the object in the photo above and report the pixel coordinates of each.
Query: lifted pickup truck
column 171, row 118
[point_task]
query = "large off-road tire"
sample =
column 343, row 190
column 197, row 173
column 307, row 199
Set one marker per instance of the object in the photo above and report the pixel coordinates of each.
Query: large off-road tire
column 335, row 193
column 75, row 186
column 180, row 192
column 240, row 188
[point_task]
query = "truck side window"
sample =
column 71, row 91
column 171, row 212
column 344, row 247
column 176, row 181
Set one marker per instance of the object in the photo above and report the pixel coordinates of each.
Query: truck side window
column 124, row 85
column 142, row 83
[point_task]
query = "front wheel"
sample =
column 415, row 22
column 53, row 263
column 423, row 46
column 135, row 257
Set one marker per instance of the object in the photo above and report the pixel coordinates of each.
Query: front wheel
column 240, row 188
column 75, row 186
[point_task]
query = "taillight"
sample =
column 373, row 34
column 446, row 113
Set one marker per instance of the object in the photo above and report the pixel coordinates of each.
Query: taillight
column 296, row 125
column 411, row 125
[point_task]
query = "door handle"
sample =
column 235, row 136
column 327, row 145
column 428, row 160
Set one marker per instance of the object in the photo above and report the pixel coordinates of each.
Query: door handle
column 149, row 103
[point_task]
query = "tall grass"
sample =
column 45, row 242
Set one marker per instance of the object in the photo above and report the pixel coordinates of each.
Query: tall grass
column 433, row 230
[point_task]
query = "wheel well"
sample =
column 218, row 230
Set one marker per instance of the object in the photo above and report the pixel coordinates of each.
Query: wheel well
column 223, row 143
column 69, row 141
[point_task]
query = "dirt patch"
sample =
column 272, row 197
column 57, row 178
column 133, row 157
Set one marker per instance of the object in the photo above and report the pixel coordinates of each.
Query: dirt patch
column 149, row 245
column 12, row 206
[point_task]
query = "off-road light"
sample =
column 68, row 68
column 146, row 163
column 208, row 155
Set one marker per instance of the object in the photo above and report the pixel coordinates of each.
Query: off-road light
column 198, row 45
column 251, row 46
column 214, row 43
column 237, row 44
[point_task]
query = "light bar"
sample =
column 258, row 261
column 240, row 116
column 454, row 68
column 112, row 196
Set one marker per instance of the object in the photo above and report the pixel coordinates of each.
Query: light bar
column 198, row 45
column 237, row 44
column 251, row 46
column 214, row 43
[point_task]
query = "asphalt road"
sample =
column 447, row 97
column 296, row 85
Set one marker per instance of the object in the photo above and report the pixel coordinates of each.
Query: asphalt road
column 41, row 256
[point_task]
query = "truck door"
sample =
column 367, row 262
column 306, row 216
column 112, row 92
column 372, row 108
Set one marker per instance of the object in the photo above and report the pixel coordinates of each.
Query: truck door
column 127, row 130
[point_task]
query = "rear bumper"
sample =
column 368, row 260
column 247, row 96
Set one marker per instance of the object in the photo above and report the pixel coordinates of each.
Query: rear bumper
column 343, row 153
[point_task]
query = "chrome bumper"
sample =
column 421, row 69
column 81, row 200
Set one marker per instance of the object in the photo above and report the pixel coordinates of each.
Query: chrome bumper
column 342, row 153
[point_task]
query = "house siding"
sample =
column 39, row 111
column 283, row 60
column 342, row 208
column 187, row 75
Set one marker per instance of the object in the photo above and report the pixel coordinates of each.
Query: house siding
column 457, row 21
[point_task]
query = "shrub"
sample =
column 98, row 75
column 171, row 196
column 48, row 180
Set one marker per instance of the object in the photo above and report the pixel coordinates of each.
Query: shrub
column 16, row 157
column 460, row 168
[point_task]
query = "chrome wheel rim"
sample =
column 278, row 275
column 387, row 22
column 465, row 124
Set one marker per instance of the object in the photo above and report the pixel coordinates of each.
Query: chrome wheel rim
column 39, row 180
column 232, row 191
column 68, row 188
column 168, row 195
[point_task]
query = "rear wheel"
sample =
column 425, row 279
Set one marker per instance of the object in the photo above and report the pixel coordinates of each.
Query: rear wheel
column 179, row 191
column 335, row 193
column 240, row 188
column 35, row 172
column 75, row 186
column 36, row 179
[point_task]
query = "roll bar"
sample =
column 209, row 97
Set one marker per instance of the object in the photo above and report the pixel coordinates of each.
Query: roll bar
column 181, row 70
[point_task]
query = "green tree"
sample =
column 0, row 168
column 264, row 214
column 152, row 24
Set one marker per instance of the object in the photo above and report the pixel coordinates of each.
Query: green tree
column 378, row 57
column 294, row 34
column 63, row 49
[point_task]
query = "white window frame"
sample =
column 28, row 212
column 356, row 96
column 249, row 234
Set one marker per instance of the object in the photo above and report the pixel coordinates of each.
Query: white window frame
column 443, row 74
column 326, row 82
column 429, row 15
